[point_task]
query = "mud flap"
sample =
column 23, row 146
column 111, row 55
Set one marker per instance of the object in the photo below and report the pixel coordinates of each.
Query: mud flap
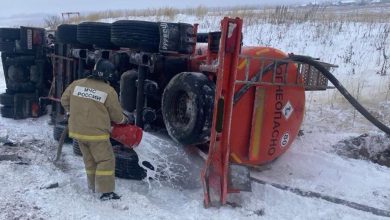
column 239, row 178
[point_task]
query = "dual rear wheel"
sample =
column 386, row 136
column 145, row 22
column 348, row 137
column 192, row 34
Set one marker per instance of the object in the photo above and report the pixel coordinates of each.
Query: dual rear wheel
column 187, row 105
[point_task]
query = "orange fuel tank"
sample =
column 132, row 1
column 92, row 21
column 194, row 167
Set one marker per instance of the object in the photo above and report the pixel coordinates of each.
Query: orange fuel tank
column 267, row 117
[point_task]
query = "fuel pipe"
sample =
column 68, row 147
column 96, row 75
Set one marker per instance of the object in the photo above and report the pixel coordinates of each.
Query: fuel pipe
column 343, row 91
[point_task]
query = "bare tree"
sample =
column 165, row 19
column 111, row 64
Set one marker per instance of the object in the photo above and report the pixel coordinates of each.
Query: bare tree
column 52, row 21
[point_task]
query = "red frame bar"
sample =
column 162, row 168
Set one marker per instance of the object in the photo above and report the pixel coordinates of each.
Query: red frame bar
column 215, row 173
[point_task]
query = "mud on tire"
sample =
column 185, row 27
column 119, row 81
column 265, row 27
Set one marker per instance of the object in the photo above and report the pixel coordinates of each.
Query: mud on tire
column 187, row 107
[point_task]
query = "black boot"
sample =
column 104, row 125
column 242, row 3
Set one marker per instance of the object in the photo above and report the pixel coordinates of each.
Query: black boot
column 109, row 196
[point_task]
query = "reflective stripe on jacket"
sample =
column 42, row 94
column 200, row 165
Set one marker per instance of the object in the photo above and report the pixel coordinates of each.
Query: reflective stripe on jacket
column 92, row 105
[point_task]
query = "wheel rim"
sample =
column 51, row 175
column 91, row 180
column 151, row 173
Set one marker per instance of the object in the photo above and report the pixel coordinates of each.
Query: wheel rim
column 182, row 107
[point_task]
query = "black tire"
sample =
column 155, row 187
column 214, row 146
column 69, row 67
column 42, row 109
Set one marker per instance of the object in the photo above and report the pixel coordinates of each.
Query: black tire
column 10, row 33
column 18, row 74
column 9, row 91
column 76, row 148
column 139, row 35
column 57, row 132
column 7, row 99
column 67, row 34
column 7, row 112
column 126, row 164
column 128, row 93
column 176, row 38
column 21, row 61
column 20, row 87
column 95, row 33
column 188, row 120
column 215, row 39
column 202, row 37
column 7, row 46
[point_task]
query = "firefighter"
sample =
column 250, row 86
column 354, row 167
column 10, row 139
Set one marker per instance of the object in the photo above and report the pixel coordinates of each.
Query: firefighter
column 92, row 104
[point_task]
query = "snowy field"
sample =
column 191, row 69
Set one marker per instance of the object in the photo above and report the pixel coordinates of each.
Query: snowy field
column 312, row 164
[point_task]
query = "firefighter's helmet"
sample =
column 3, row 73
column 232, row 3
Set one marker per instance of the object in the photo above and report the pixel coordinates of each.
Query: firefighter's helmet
column 103, row 70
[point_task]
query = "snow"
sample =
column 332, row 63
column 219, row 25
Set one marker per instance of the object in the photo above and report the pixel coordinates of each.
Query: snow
column 347, row 1
column 311, row 164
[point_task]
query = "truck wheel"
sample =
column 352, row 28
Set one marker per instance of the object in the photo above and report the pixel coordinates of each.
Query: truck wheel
column 214, row 45
column 76, row 148
column 202, row 37
column 95, row 33
column 126, row 164
column 18, row 74
column 7, row 111
column 21, row 61
column 57, row 131
column 128, row 93
column 140, row 35
column 10, row 33
column 7, row 99
column 187, row 107
column 24, row 87
column 67, row 34
column 176, row 37
column 7, row 46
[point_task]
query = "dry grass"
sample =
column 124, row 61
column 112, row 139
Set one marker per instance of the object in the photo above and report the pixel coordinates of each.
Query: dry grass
column 167, row 12
column 285, row 14
column 255, row 15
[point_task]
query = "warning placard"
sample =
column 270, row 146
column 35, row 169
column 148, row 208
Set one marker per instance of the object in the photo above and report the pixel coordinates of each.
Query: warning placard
column 287, row 110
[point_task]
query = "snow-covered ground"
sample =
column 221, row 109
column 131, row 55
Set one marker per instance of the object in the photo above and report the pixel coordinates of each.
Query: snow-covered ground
column 311, row 164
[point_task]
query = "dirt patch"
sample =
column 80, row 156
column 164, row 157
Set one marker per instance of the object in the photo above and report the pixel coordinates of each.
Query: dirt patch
column 26, row 151
column 13, row 204
column 10, row 157
column 20, row 210
column 375, row 148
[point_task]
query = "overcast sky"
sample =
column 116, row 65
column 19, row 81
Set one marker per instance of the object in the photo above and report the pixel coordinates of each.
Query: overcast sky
column 17, row 7
column 14, row 13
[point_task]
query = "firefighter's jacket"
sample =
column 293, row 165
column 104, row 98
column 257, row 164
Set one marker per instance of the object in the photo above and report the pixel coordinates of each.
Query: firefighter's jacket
column 92, row 105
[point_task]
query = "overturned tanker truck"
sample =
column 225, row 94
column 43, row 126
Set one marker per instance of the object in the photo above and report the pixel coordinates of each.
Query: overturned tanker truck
column 26, row 69
column 240, row 106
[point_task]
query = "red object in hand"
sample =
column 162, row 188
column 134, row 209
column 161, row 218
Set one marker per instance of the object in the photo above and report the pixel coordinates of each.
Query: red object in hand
column 128, row 135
